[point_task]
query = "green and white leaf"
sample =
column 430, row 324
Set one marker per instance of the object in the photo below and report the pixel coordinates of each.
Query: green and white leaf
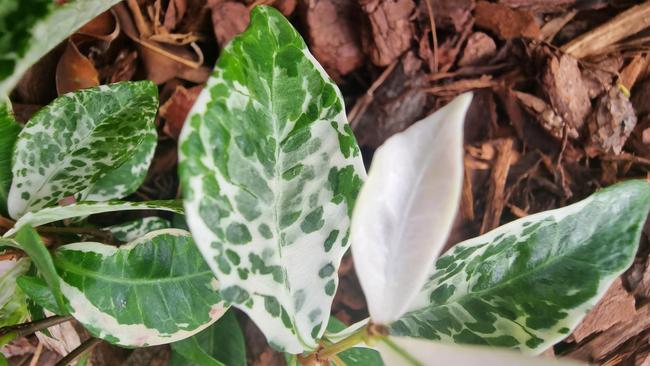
column 270, row 171
column 9, row 130
column 58, row 213
column 220, row 344
column 528, row 284
column 406, row 209
column 31, row 28
column 154, row 290
column 13, row 305
column 405, row 351
column 77, row 139
column 132, row 230
column 128, row 177
column 37, row 290
column 30, row 242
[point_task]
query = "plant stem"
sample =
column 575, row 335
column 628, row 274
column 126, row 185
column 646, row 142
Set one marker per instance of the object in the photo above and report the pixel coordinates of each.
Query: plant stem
column 7, row 334
column 360, row 336
column 411, row 361
column 75, row 230
column 83, row 348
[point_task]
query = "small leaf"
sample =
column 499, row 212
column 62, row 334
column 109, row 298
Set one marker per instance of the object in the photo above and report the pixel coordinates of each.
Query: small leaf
column 29, row 29
column 418, row 352
column 9, row 130
column 37, row 290
column 355, row 356
column 406, row 208
column 270, row 171
column 528, row 284
column 31, row 243
column 154, row 290
column 128, row 177
column 76, row 140
column 58, row 213
column 220, row 344
column 132, row 230
column 13, row 306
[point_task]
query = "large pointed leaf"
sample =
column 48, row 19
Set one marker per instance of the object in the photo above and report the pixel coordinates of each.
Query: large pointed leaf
column 9, row 130
column 529, row 283
column 270, row 171
column 221, row 344
column 30, row 28
column 30, row 242
column 126, row 178
column 406, row 351
column 57, row 213
column 154, row 290
column 406, row 208
column 76, row 140
column 13, row 306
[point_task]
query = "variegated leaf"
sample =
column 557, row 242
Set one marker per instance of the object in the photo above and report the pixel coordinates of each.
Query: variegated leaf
column 529, row 283
column 76, row 140
column 9, row 130
column 57, row 213
column 13, row 305
column 270, row 171
column 354, row 356
column 154, row 290
column 132, row 230
column 37, row 290
column 405, row 351
column 127, row 178
column 31, row 28
column 406, row 208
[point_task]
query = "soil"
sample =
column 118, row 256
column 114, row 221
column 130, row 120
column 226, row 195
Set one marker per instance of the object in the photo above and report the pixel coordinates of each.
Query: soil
column 561, row 108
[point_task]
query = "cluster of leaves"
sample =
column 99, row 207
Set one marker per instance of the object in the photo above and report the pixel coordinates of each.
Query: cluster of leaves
column 275, row 193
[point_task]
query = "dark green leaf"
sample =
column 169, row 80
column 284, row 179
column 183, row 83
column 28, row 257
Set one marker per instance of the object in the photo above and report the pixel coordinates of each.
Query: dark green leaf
column 36, row 289
column 9, row 130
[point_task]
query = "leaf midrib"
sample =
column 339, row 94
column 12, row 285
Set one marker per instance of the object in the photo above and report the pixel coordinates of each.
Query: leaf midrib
column 76, row 269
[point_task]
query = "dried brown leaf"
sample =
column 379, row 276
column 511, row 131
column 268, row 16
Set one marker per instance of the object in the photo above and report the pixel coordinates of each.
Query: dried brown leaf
column 611, row 122
column 176, row 108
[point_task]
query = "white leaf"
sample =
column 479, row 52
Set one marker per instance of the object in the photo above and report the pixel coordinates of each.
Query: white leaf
column 405, row 351
column 406, row 208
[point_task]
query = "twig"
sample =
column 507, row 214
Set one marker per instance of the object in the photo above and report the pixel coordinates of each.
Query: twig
column 362, row 104
column 37, row 354
column 434, row 37
column 627, row 157
column 496, row 197
column 21, row 330
column 83, row 348
column 621, row 26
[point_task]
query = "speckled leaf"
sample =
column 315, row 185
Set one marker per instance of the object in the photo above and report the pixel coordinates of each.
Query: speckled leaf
column 221, row 344
column 405, row 351
column 30, row 242
column 31, row 28
column 154, row 290
column 76, row 140
column 13, row 305
column 132, row 230
column 57, row 213
column 270, row 171
column 529, row 283
column 406, row 208
column 127, row 178
column 9, row 130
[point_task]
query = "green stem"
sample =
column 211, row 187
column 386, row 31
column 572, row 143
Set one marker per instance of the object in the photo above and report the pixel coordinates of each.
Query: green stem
column 360, row 336
column 412, row 361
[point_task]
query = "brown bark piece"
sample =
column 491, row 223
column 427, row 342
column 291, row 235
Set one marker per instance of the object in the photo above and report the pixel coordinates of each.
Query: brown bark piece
column 505, row 22
column 229, row 18
column 617, row 305
column 176, row 108
column 611, row 122
column 496, row 197
column 607, row 341
column 547, row 117
column 566, row 90
column 479, row 49
column 332, row 30
column 451, row 13
column 390, row 29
